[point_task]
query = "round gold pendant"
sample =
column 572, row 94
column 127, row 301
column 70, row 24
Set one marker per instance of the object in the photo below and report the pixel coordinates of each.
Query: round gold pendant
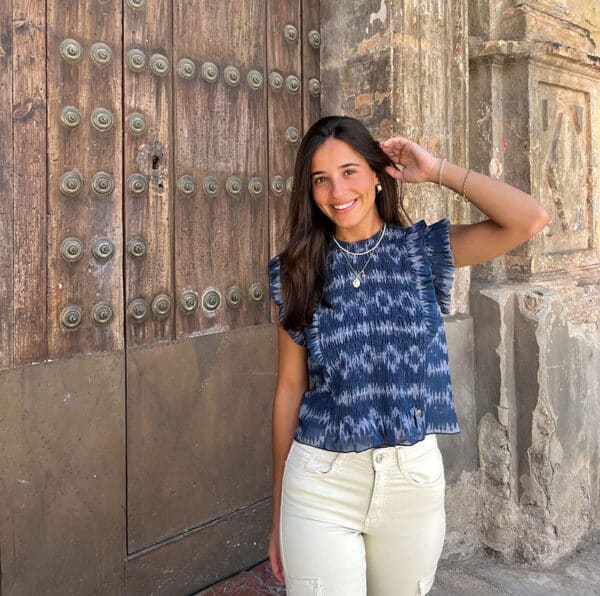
column 356, row 282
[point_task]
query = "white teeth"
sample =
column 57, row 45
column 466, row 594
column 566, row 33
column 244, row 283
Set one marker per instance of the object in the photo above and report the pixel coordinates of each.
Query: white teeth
column 344, row 206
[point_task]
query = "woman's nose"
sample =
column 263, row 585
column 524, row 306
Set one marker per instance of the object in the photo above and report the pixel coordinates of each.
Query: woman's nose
column 338, row 188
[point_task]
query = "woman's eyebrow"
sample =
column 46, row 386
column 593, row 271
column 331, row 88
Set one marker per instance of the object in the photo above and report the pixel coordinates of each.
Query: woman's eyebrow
column 339, row 168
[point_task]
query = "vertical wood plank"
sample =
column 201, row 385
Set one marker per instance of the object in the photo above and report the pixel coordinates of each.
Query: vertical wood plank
column 311, row 62
column 6, row 187
column 284, row 109
column 89, row 215
column 29, row 151
column 221, row 240
column 149, row 216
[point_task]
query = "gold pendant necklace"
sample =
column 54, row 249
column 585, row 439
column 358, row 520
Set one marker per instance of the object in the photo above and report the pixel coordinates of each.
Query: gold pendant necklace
column 357, row 275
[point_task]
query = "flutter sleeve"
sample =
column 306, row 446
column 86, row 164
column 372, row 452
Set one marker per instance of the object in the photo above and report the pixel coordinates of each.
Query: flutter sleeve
column 436, row 240
column 277, row 295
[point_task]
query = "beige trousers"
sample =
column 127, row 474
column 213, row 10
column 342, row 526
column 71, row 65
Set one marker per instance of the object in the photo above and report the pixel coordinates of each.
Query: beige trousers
column 362, row 523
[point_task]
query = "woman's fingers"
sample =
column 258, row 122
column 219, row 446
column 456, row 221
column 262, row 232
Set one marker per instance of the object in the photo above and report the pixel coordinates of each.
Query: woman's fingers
column 394, row 172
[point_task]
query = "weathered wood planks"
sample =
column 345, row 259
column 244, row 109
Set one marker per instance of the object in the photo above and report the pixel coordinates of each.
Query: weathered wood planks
column 220, row 134
column 89, row 214
column 29, row 191
column 149, row 215
column 6, row 187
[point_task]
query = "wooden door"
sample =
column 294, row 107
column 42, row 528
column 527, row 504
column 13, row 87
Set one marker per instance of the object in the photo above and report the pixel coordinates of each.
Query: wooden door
column 149, row 165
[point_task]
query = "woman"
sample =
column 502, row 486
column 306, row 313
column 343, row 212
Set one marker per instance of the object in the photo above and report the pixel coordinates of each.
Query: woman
column 363, row 383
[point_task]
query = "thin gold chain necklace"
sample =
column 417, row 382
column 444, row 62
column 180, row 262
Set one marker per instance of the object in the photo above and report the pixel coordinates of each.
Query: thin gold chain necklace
column 361, row 273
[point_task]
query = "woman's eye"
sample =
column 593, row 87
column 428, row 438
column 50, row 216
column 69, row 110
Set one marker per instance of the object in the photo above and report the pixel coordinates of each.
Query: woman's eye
column 350, row 172
column 318, row 181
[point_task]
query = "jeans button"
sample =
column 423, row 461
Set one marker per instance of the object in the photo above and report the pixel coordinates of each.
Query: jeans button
column 419, row 412
column 379, row 458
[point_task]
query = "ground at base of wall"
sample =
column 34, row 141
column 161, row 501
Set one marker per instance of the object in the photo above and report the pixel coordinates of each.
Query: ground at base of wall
column 475, row 576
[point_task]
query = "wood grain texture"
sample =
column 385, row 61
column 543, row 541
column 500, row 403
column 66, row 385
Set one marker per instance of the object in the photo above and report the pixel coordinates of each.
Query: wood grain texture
column 150, row 216
column 311, row 21
column 220, row 131
column 29, row 151
column 285, row 109
column 89, row 215
column 6, row 187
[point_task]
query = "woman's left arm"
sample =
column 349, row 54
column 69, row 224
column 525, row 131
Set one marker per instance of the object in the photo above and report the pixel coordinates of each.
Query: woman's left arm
column 514, row 216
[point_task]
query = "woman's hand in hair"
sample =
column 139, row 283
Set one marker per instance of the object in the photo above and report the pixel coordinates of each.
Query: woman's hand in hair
column 414, row 164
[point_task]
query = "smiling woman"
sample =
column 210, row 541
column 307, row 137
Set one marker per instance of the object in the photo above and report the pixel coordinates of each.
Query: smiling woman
column 363, row 380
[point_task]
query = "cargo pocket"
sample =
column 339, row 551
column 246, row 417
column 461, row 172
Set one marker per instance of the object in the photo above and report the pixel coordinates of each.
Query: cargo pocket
column 302, row 587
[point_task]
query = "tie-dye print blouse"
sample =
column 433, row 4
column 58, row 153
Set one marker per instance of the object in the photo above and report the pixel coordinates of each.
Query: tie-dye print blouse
column 378, row 360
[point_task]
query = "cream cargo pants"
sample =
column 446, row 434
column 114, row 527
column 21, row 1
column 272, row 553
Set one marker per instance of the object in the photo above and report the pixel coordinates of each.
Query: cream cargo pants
column 362, row 523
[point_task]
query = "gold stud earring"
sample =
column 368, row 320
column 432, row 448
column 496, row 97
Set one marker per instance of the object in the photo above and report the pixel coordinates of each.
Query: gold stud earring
column 378, row 187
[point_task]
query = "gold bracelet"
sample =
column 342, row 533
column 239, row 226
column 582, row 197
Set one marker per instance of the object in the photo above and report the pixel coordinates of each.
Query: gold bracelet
column 441, row 172
column 464, row 188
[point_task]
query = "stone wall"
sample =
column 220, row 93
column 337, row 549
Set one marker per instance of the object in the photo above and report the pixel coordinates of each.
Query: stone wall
column 511, row 88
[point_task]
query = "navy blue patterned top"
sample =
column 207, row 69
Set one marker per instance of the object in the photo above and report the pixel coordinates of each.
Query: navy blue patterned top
column 378, row 359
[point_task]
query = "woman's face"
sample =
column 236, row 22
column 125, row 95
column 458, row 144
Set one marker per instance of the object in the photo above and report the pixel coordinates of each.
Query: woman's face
column 343, row 187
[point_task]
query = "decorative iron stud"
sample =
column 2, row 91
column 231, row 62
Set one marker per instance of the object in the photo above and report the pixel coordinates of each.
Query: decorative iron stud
column 136, row 123
column 71, row 50
column 101, row 54
column 233, row 297
column 292, row 84
column 70, row 117
column 103, row 249
column 233, row 186
column 136, row 247
column 314, row 87
column 186, row 185
column 210, row 72
column 276, row 81
column 137, row 184
column 186, row 68
column 211, row 299
column 161, row 306
column 289, row 184
column 255, row 187
column 136, row 59
column 159, row 65
column 102, row 313
column 277, row 185
column 138, row 310
column 71, row 317
column 256, row 292
column 255, row 80
column 71, row 249
column 232, row 76
column 314, row 39
column 292, row 135
column 136, row 4
column 71, row 183
column 102, row 119
column 189, row 302
column 210, row 186
column 103, row 183
column 290, row 33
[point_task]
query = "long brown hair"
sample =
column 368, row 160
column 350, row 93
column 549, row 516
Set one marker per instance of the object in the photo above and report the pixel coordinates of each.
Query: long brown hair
column 309, row 230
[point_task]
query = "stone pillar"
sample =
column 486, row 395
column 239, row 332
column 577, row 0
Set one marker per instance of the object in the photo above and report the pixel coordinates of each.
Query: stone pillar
column 534, row 122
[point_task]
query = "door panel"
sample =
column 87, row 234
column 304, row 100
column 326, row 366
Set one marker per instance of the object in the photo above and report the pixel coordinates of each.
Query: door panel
column 148, row 158
column 84, row 179
column 198, row 410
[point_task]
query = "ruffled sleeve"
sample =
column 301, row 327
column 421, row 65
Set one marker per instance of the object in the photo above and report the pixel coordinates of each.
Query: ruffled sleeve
column 436, row 240
column 277, row 295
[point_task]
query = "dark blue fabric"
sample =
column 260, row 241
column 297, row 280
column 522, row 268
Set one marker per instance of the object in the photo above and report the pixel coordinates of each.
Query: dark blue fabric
column 378, row 359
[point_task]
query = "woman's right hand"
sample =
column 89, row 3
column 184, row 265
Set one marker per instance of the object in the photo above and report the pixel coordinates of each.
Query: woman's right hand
column 275, row 555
